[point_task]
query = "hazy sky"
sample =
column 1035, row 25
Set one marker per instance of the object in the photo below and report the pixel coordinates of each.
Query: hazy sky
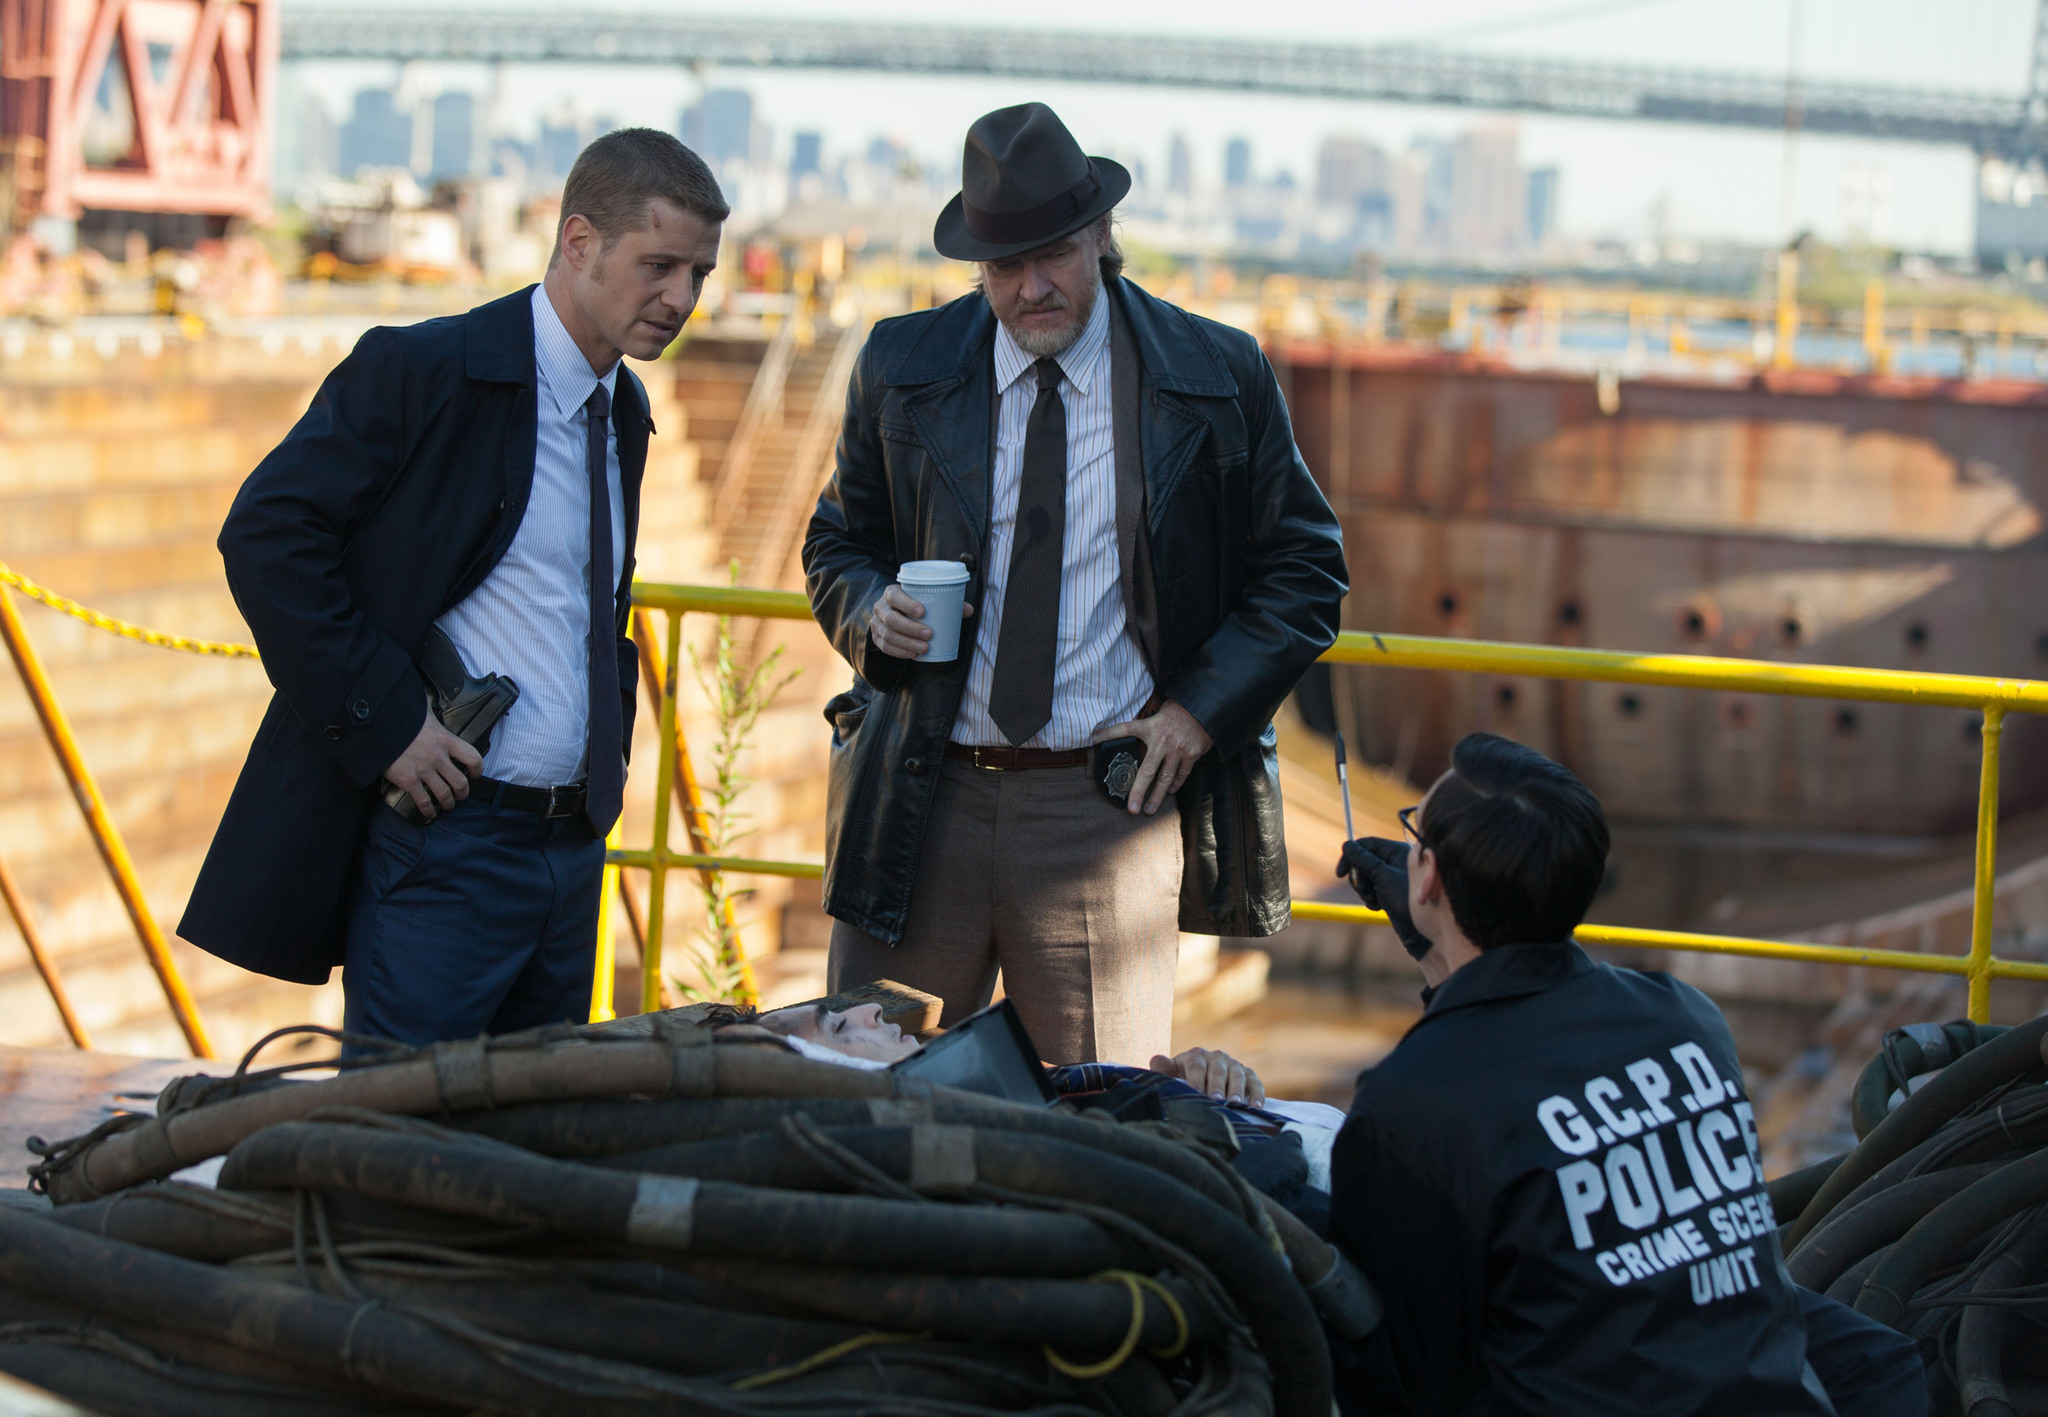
column 1710, row 182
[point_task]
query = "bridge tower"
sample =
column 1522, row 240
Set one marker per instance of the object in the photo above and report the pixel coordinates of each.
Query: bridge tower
column 152, row 106
column 2012, row 185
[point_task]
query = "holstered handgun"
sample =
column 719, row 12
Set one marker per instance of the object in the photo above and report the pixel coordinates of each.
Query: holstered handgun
column 466, row 706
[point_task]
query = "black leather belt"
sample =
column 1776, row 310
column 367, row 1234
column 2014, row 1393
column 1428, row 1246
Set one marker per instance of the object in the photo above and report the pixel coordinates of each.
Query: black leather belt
column 549, row 802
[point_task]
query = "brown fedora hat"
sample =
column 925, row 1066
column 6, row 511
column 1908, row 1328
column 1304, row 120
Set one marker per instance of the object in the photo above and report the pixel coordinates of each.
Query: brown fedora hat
column 1024, row 181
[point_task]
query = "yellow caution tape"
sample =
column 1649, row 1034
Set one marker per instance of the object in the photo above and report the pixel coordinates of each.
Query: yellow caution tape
column 127, row 631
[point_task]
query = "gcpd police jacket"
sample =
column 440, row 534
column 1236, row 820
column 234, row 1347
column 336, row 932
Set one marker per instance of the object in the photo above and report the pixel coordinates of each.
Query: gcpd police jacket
column 1554, row 1183
column 1232, row 567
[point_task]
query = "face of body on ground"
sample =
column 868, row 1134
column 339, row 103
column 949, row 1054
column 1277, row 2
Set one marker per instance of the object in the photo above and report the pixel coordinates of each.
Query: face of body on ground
column 1045, row 296
column 631, row 295
column 858, row 1032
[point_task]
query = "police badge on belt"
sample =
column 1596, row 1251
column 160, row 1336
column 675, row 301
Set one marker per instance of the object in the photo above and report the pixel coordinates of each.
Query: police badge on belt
column 1115, row 765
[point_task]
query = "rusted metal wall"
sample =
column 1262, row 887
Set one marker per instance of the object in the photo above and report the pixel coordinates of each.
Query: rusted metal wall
column 1814, row 518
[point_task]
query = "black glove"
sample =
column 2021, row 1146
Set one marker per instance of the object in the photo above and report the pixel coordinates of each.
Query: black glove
column 1378, row 870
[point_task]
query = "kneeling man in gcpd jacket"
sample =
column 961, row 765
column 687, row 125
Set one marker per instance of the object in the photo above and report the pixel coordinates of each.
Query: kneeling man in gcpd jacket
column 1554, row 1179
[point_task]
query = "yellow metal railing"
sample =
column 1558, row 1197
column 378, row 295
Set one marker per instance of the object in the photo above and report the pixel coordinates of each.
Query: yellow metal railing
column 1994, row 698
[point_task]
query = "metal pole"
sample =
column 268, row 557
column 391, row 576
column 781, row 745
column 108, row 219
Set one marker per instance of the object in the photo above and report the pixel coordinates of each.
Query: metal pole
column 17, row 906
column 664, row 783
column 604, row 963
column 105, row 836
column 1987, row 868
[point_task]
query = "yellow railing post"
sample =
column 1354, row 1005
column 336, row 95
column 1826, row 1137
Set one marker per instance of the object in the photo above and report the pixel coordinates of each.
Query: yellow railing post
column 664, row 780
column 1982, row 908
column 1874, row 347
column 57, row 729
column 604, row 966
column 1787, row 338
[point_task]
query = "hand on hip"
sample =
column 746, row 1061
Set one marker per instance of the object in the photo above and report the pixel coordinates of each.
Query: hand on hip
column 1173, row 741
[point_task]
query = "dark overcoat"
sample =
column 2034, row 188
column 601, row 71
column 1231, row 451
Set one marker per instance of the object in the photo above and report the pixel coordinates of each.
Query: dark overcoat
column 387, row 504
column 1233, row 575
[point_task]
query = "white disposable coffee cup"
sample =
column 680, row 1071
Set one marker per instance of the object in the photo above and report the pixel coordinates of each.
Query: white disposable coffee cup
column 941, row 588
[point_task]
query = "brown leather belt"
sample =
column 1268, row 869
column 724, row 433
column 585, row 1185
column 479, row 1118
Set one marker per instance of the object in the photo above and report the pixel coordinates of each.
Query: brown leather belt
column 1008, row 759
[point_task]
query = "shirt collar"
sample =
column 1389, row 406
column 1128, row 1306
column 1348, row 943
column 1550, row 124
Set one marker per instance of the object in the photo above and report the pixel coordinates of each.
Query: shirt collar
column 563, row 370
column 1506, row 971
column 1080, row 361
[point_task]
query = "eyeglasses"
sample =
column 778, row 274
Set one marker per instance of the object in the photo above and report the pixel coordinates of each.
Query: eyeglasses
column 1407, row 816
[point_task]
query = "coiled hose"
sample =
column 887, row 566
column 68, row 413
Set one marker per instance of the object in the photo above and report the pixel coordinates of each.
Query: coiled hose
column 1936, row 1223
column 1981, row 1336
column 2003, row 1060
column 1908, row 1053
column 558, row 1224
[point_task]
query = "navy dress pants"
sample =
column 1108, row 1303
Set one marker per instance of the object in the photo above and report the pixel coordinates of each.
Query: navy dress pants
column 483, row 920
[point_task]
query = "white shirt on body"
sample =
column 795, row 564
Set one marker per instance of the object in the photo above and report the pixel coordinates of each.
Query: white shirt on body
column 1099, row 675
column 530, row 619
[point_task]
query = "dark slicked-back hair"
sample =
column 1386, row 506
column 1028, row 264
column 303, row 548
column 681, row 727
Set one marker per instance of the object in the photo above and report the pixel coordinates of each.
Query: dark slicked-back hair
column 620, row 173
column 1521, row 844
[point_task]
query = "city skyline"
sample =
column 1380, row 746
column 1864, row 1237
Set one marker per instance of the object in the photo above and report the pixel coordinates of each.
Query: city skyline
column 1401, row 191
column 1468, row 195
column 1614, row 181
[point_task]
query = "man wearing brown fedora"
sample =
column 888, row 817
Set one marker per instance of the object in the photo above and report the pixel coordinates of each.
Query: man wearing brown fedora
column 1147, row 558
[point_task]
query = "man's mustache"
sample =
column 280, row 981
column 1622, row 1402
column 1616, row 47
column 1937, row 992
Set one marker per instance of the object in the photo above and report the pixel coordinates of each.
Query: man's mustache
column 1058, row 302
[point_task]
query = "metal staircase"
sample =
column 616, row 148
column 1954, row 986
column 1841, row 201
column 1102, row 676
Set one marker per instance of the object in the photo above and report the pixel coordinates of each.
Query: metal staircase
column 765, row 419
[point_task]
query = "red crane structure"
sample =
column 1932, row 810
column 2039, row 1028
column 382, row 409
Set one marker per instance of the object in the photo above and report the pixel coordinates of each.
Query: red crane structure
column 137, row 105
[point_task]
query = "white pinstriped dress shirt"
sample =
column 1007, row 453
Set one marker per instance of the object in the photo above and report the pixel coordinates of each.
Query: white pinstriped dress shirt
column 530, row 619
column 1099, row 675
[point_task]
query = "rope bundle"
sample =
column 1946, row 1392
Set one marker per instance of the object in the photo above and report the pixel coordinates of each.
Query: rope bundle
column 564, row 1222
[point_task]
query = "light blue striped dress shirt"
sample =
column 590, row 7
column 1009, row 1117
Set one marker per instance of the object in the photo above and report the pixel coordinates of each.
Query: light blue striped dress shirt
column 1099, row 676
column 530, row 619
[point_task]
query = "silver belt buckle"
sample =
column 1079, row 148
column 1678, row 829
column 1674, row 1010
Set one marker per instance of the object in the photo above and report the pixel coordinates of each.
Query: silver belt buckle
column 558, row 803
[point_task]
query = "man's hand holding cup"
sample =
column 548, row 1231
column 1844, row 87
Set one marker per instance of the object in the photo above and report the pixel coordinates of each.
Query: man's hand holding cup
column 910, row 615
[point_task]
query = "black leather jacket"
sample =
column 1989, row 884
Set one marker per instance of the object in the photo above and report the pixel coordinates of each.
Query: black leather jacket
column 1242, row 578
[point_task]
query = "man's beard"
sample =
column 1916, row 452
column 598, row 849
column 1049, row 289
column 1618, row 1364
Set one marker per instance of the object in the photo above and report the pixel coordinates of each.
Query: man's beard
column 1043, row 343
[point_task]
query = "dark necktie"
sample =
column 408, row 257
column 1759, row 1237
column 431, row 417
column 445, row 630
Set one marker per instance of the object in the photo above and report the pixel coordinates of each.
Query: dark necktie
column 1020, row 700
column 607, row 780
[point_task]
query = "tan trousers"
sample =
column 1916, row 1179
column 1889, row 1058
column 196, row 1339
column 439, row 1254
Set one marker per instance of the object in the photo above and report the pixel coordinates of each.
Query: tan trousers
column 1075, row 900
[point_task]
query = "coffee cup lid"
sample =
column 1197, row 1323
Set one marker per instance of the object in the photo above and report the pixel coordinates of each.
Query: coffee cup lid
column 932, row 572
